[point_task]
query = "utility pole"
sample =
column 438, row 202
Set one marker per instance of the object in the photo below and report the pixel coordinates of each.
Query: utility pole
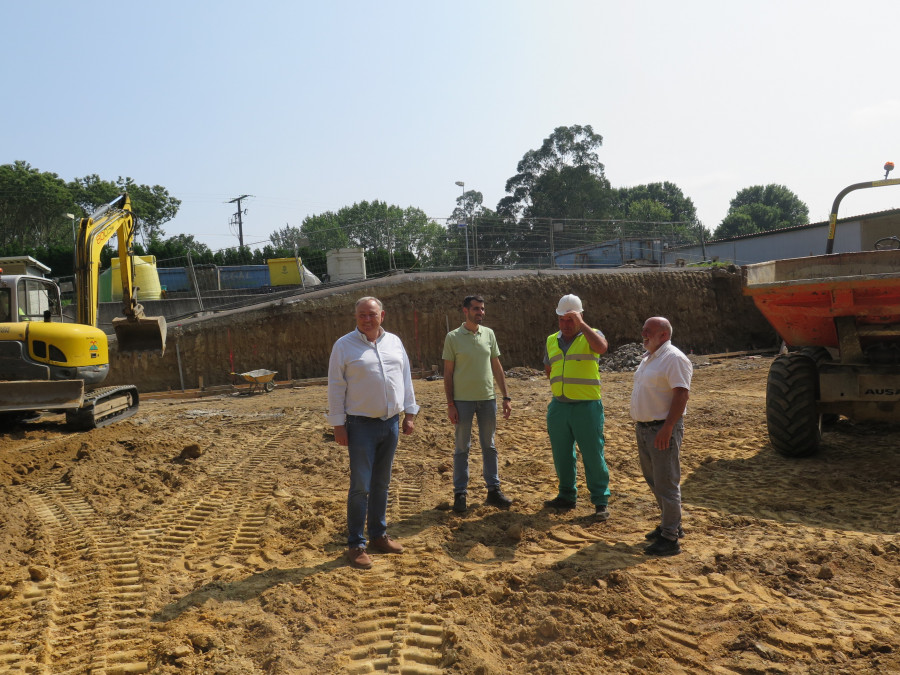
column 237, row 217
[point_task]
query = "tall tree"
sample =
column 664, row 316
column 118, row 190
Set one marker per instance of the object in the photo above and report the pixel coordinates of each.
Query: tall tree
column 762, row 208
column 153, row 205
column 671, row 206
column 667, row 194
column 288, row 238
column 324, row 231
column 373, row 226
column 33, row 207
column 564, row 178
column 470, row 204
column 176, row 248
column 477, row 226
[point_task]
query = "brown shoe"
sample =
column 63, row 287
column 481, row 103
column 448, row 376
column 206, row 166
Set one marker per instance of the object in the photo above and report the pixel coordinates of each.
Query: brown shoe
column 384, row 544
column 359, row 558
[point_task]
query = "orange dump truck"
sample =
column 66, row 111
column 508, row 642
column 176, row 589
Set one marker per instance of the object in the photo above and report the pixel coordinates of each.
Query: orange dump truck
column 840, row 315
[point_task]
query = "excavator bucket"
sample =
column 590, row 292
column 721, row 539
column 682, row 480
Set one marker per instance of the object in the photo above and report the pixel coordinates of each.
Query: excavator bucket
column 24, row 395
column 141, row 334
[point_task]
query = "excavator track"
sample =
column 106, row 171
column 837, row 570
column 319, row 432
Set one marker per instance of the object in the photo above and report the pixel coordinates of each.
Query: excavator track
column 104, row 406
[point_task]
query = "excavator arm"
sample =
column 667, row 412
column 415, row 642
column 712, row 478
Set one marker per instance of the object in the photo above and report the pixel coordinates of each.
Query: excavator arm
column 134, row 331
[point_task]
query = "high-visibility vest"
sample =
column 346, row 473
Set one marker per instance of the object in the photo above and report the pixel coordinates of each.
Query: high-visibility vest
column 575, row 374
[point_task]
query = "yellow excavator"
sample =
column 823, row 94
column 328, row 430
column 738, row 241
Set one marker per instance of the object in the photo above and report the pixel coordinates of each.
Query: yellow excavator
column 48, row 364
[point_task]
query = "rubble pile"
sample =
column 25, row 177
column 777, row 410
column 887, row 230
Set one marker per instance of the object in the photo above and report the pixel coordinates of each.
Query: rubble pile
column 624, row 359
column 524, row 373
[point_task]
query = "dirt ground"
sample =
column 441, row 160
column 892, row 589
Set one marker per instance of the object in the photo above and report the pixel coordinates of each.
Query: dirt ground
column 206, row 535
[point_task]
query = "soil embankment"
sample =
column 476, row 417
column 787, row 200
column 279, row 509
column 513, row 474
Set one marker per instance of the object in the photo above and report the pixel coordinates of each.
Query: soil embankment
column 294, row 337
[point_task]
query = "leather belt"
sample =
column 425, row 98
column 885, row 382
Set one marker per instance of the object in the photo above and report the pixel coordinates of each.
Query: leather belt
column 651, row 423
column 362, row 418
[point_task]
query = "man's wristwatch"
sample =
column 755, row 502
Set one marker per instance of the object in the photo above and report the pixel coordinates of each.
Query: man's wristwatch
column 507, row 398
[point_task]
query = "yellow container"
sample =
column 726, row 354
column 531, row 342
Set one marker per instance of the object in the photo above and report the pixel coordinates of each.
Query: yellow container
column 146, row 278
column 284, row 271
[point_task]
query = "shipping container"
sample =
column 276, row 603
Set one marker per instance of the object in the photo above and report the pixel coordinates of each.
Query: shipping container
column 243, row 276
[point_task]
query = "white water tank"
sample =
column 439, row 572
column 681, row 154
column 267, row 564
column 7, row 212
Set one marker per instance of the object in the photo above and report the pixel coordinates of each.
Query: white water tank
column 346, row 264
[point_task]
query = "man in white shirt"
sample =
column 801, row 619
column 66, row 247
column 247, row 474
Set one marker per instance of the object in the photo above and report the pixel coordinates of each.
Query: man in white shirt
column 659, row 399
column 369, row 385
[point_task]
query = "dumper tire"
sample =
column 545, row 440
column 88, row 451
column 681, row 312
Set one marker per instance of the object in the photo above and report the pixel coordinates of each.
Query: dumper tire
column 792, row 418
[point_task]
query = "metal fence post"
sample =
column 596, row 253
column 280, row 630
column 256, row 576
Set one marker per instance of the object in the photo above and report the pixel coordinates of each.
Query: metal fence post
column 194, row 279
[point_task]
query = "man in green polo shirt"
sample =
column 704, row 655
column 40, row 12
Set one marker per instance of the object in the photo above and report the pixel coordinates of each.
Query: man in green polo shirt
column 471, row 368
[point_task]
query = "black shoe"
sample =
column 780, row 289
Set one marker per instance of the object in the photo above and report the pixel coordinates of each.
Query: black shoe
column 497, row 498
column 560, row 503
column 601, row 512
column 657, row 533
column 459, row 502
column 663, row 546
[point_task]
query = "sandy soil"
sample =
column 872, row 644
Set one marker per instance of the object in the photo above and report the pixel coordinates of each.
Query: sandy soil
column 207, row 536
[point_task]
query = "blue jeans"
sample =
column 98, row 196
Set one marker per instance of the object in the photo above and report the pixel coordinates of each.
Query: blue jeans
column 486, row 412
column 371, row 444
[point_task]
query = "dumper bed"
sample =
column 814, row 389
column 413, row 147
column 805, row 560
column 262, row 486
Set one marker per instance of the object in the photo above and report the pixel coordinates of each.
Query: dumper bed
column 802, row 297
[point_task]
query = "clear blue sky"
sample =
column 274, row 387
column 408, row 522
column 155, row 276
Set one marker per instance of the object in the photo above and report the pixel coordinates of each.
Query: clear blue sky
column 311, row 106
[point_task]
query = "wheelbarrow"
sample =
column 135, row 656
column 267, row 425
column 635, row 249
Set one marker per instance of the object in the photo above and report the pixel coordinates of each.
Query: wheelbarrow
column 260, row 379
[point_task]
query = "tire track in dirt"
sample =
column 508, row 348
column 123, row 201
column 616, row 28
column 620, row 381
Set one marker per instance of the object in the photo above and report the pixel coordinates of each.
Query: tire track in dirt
column 86, row 613
column 224, row 513
column 812, row 621
column 561, row 542
column 393, row 634
column 407, row 486
column 393, row 637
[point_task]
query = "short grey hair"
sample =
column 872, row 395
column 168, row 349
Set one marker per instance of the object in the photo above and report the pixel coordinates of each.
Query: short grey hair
column 368, row 298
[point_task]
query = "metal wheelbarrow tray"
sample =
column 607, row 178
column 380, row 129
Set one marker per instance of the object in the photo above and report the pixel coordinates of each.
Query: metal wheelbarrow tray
column 260, row 379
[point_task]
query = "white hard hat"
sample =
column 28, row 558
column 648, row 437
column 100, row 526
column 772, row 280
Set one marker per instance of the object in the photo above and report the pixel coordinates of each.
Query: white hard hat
column 569, row 303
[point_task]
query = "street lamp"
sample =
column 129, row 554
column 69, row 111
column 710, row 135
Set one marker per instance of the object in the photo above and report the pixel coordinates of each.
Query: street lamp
column 71, row 216
column 465, row 222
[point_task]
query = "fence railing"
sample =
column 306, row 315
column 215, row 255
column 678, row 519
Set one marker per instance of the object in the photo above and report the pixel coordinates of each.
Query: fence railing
column 186, row 288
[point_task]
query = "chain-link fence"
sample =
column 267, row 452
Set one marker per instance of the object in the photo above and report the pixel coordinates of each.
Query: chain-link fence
column 179, row 287
column 494, row 243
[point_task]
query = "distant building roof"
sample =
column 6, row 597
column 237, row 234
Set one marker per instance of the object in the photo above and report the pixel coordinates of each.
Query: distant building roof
column 865, row 216
column 23, row 264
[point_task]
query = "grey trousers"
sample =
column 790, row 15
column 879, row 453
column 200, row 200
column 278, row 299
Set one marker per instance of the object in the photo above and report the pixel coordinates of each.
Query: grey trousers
column 662, row 471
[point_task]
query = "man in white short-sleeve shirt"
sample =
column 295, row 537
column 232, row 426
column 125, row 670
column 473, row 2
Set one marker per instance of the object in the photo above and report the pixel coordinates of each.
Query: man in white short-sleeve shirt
column 659, row 399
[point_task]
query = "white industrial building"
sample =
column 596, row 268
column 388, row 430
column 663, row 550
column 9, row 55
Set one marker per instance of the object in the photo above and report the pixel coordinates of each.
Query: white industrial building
column 856, row 233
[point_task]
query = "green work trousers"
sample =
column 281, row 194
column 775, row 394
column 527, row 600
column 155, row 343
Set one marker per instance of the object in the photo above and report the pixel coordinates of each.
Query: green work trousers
column 582, row 423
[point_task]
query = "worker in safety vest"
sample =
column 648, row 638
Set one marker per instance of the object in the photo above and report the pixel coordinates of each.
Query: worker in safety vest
column 575, row 414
